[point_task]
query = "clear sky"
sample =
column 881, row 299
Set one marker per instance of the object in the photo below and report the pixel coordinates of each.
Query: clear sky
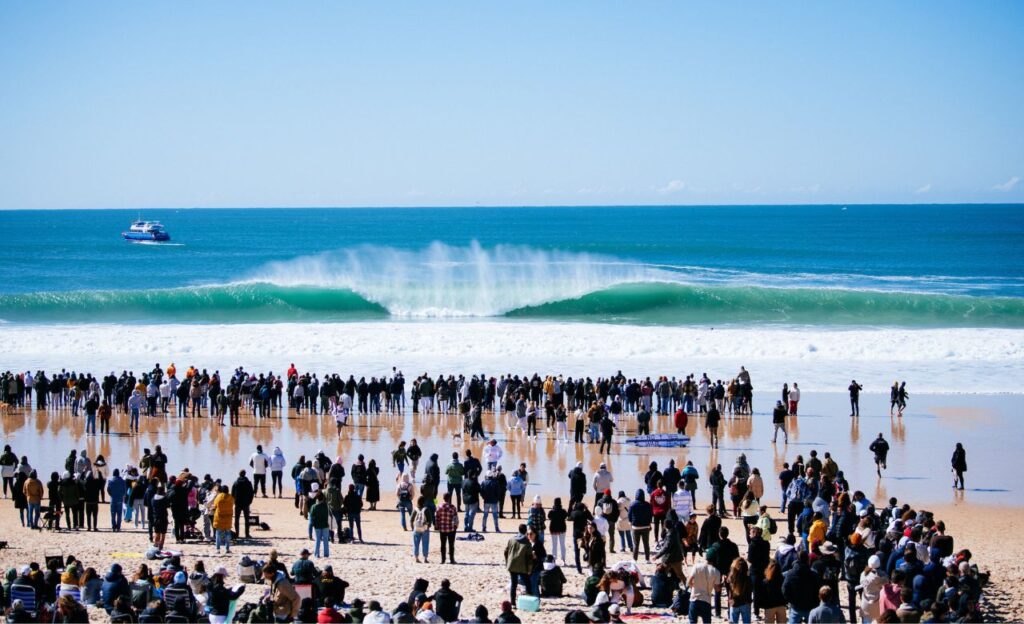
column 161, row 104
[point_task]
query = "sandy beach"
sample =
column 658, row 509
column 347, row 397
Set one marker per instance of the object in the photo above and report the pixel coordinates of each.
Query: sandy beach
column 981, row 518
column 383, row 568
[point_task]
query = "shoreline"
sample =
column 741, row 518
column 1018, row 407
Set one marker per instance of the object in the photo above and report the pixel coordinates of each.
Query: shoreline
column 933, row 361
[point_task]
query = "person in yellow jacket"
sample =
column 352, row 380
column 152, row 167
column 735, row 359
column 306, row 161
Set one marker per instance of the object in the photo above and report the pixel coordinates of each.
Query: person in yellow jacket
column 818, row 530
column 33, row 490
column 223, row 516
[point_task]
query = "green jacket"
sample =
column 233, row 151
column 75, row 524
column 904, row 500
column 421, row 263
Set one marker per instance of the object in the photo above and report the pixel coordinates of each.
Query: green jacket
column 334, row 498
column 318, row 515
column 519, row 555
column 455, row 472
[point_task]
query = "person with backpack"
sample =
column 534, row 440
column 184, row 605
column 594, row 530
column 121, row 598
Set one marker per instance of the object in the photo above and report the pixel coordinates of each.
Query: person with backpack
column 421, row 520
column 405, row 492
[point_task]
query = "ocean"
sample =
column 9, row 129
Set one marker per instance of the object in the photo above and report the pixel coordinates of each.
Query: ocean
column 893, row 286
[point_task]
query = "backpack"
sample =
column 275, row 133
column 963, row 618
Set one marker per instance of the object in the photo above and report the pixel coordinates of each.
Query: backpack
column 403, row 493
column 773, row 526
column 419, row 522
column 830, row 574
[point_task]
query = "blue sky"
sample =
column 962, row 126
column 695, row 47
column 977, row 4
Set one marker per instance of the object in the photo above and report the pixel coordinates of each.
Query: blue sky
column 217, row 104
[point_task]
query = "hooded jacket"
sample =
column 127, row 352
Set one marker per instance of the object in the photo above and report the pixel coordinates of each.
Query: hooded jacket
column 115, row 585
column 640, row 512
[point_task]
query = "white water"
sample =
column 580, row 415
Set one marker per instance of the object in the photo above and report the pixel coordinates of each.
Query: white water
column 930, row 360
column 444, row 281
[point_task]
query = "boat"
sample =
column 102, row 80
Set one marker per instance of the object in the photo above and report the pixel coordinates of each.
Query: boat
column 146, row 231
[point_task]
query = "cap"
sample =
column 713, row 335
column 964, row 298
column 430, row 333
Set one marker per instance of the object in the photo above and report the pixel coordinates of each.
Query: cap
column 180, row 577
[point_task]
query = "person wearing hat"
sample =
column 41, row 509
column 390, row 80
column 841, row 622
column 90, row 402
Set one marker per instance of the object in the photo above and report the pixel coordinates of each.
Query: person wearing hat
column 872, row 581
column 829, row 568
column 220, row 596
column 303, row 570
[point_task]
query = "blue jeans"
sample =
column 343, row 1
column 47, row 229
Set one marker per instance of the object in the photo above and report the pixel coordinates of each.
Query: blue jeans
column 355, row 526
column 33, row 514
column 404, row 507
column 222, row 537
column 360, row 488
column 593, row 433
column 797, row 615
column 323, row 536
column 491, row 508
column 626, row 539
column 420, row 541
column 471, row 511
column 700, row 610
column 90, row 423
column 688, row 403
column 134, row 423
column 116, row 512
column 740, row 613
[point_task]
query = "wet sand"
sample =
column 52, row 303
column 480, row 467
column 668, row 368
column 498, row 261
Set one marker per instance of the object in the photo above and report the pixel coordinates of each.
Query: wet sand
column 981, row 518
column 922, row 442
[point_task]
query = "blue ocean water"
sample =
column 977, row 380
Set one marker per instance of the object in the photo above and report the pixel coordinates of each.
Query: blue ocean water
column 949, row 265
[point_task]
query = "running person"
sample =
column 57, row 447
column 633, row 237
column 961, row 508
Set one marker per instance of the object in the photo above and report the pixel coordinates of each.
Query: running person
column 881, row 450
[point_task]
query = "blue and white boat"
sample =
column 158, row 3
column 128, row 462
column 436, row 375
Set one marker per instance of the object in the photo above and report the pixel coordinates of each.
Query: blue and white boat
column 146, row 231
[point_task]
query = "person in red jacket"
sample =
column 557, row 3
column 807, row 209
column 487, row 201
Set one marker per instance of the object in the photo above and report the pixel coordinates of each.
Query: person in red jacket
column 680, row 421
column 661, row 502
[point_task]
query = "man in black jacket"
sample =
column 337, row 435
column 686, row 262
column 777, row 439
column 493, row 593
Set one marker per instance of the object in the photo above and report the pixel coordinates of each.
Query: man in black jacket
column 447, row 602
column 800, row 587
column 758, row 556
column 243, row 492
column 577, row 485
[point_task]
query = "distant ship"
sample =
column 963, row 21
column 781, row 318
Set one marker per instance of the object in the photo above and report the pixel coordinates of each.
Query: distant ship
column 146, row 231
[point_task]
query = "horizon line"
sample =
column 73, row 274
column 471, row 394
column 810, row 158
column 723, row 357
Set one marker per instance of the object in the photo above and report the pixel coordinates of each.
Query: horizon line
column 513, row 206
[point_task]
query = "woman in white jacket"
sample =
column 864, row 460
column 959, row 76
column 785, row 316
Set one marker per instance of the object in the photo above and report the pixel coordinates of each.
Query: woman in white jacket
column 872, row 580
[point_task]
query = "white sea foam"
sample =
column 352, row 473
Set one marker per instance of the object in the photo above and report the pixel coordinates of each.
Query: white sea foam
column 930, row 360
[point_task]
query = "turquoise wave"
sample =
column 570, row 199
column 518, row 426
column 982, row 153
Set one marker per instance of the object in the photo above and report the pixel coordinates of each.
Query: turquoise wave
column 229, row 303
column 656, row 303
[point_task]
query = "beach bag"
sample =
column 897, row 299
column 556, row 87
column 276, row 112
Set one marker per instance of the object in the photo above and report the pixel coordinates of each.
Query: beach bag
column 528, row 603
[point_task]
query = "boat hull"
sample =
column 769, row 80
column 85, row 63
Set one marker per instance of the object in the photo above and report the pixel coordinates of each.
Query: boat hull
column 134, row 237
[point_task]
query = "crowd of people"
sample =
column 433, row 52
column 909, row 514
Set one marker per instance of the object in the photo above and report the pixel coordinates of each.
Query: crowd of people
column 829, row 553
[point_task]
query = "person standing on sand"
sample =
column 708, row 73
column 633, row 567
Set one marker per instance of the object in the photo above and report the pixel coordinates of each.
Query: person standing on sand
column 894, row 397
column 779, row 422
column 855, row 389
column 711, row 422
column 959, row 463
column 794, row 399
column 881, row 450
